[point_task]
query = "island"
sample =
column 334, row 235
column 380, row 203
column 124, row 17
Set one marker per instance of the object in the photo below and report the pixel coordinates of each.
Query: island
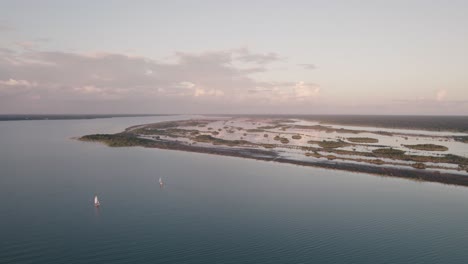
column 410, row 154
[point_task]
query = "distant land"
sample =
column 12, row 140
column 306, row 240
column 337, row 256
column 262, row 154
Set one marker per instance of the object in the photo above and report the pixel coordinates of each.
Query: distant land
column 425, row 155
column 457, row 123
column 420, row 122
column 14, row 117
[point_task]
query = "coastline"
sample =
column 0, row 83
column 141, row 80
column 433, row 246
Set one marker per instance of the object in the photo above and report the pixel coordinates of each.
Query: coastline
column 271, row 156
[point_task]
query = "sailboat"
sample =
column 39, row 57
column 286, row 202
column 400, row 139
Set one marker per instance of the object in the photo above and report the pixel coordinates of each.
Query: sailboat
column 160, row 182
column 96, row 201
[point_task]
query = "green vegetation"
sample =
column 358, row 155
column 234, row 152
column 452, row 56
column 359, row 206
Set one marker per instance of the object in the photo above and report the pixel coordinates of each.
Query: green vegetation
column 219, row 141
column 363, row 140
column 313, row 154
column 388, row 152
column 332, row 157
column 463, row 139
column 462, row 167
column 281, row 139
column 450, row 158
column 170, row 132
column 377, row 161
column 118, row 140
column 383, row 133
column 204, row 138
column 328, row 149
column 255, row 130
column 296, row 137
column 419, row 165
column 428, row 147
column 269, row 127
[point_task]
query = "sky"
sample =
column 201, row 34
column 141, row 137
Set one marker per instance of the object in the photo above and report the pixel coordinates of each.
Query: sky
column 234, row 57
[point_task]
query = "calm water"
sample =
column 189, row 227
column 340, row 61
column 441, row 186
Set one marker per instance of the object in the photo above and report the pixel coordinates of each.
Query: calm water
column 213, row 209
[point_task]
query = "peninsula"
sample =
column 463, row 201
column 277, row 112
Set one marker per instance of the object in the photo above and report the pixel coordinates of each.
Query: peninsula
column 412, row 154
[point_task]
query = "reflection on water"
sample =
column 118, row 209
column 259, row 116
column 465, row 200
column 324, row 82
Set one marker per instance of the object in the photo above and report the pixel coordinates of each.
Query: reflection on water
column 97, row 210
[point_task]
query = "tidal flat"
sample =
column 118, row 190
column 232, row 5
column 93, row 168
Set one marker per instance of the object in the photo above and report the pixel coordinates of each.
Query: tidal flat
column 437, row 156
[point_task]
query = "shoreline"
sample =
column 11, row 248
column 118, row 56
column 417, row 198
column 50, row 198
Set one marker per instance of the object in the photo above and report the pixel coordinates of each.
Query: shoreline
column 271, row 156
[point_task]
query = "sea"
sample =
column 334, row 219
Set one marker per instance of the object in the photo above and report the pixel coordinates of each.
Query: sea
column 212, row 209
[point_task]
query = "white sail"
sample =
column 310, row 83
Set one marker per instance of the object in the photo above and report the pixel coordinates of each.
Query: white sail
column 160, row 181
column 96, row 201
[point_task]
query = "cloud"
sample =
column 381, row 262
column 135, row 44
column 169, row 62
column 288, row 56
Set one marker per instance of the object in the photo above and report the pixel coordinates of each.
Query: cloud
column 207, row 80
column 440, row 95
column 202, row 92
column 13, row 82
column 286, row 92
column 308, row 66
column 303, row 90
column 13, row 87
column 88, row 89
column 187, row 85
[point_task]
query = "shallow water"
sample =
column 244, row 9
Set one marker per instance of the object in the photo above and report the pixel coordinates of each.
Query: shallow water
column 213, row 209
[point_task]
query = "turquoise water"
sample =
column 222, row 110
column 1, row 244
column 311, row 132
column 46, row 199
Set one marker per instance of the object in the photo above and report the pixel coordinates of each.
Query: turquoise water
column 213, row 209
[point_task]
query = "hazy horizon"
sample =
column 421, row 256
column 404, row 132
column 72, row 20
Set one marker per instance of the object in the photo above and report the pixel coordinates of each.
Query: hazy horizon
column 227, row 114
column 255, row 57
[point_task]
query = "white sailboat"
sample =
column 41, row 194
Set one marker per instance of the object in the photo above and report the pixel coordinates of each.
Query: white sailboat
column 160, row 182
column 96, row 201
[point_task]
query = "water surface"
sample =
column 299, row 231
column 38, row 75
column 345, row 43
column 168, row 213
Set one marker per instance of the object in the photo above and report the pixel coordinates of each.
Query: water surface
column 213, row 209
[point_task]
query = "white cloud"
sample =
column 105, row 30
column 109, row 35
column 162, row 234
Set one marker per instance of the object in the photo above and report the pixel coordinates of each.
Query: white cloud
column 186, row 85
column 88, row 89
column 199, row 92
column 13, row 82
column 212, row 92
column 71, row 77
column 286, row 92
column 305, row 91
